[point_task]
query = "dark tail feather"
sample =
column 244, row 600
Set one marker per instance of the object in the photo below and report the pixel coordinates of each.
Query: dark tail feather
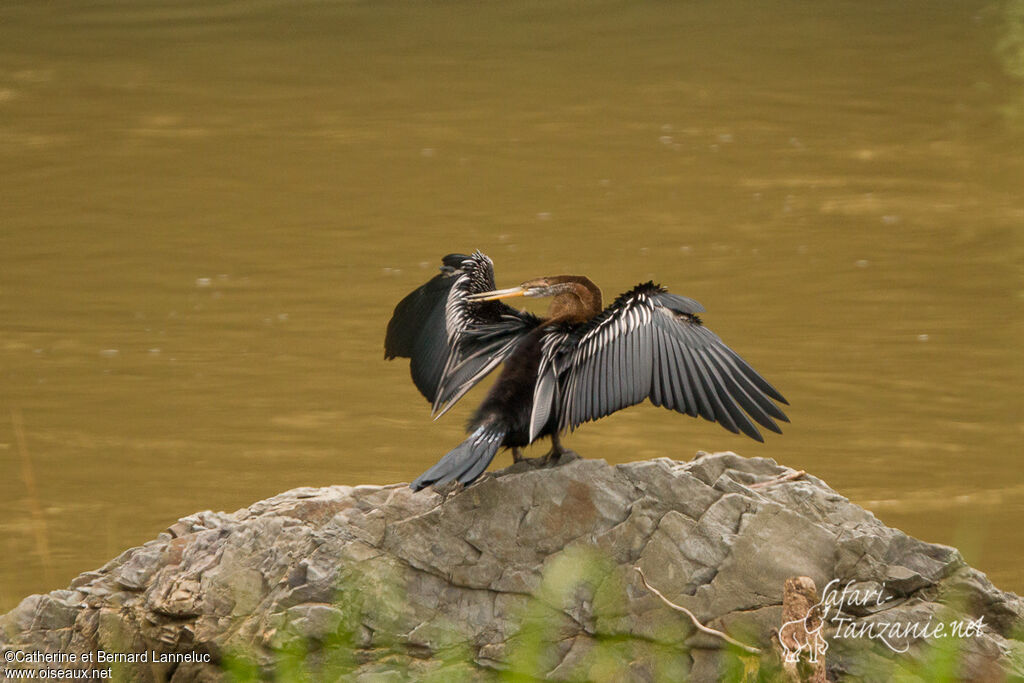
column 465, row 462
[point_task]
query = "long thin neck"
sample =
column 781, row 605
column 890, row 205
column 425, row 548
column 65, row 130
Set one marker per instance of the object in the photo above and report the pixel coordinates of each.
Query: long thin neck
column 579, row 301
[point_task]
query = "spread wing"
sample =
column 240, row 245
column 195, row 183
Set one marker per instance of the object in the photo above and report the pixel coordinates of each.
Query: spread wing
column 651, row 344
column 453, row 343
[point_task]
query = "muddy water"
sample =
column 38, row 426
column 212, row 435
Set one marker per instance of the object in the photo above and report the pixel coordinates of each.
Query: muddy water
column 210, row 208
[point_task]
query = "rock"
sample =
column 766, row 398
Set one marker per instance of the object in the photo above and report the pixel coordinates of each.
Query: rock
column 529, row 569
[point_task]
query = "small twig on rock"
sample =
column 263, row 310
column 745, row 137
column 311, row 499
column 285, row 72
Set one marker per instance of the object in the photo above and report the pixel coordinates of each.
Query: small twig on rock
column 693, row 618
column 789, row 476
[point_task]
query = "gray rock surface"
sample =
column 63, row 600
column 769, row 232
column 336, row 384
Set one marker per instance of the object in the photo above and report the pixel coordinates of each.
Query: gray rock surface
column 529, row 568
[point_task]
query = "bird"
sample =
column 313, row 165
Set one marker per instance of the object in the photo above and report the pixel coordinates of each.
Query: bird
column 580, row 362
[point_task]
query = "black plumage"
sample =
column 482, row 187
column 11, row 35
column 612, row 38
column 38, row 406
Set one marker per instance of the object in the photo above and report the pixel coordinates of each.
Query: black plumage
column 578, row 364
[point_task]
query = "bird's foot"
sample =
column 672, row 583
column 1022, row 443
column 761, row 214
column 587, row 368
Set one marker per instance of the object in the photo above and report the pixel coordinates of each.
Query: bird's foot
column 557, row 450
column 551, row 459
column 517, row 454
column 562, row 457
column 553, row 455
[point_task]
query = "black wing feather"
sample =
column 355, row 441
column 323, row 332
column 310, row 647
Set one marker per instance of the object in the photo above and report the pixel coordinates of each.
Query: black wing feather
column 417, row 329
column 657, row 397
column 693, row 379
column 453, row 343
column 650, row 344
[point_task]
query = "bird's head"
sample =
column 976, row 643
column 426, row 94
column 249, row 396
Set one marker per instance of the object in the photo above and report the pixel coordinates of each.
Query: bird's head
column 575, row 297
column 537, row 287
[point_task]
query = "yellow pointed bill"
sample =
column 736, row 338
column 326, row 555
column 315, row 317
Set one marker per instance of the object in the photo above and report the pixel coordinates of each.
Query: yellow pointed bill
column 497, row 294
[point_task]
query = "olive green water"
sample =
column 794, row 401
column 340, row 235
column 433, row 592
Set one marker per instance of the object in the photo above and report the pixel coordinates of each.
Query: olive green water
column 208, row 210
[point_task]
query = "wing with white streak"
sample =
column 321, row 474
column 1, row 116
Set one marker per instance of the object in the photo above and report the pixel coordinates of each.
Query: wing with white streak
column 650, row 344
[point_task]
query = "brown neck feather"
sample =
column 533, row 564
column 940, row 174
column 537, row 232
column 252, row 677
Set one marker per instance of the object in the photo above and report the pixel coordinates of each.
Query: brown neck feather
column 578, row 301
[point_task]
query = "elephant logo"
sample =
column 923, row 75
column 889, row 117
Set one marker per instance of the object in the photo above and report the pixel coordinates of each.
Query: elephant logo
column 804, row 636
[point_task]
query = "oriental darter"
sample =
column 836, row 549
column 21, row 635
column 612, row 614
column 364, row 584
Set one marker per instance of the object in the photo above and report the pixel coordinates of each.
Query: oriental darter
column 579, row 363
